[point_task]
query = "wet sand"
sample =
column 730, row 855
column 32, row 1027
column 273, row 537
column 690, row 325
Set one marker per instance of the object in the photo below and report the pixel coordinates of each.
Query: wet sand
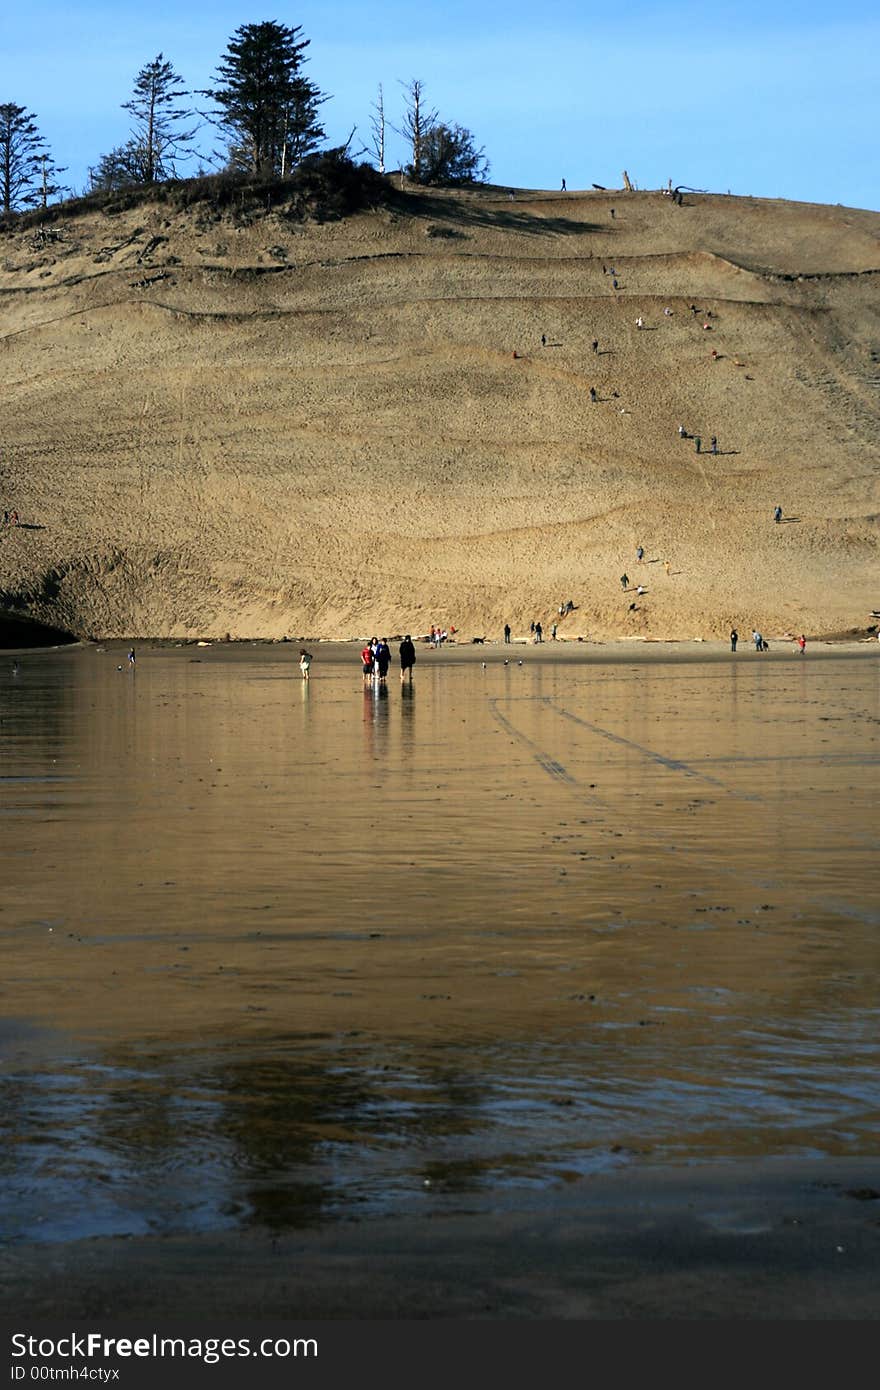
column 756, row 1242
column 544, row 990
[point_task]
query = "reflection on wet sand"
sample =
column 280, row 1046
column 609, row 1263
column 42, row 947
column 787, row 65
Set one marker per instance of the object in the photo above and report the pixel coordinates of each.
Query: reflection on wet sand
column 277, row 950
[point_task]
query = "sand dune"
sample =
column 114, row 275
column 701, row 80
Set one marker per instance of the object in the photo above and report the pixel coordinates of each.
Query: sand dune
column 250, row 425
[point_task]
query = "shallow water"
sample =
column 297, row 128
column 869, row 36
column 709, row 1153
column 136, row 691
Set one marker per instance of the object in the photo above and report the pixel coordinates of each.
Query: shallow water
column 277, row 952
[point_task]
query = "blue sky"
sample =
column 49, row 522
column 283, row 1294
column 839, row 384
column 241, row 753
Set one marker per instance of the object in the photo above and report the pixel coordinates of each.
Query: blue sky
column 776, row 99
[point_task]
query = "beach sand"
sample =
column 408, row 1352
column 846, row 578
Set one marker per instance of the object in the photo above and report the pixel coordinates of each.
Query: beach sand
column 249, row 424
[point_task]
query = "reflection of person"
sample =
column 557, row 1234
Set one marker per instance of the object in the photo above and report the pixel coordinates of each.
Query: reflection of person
column 305, row 661
column 407, row 657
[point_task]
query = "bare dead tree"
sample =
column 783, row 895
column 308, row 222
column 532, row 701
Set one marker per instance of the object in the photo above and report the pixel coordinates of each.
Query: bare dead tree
column 418, row 119
column 377, row 124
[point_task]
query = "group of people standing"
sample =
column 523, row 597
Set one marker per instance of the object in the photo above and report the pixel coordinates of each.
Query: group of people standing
column 376, row 659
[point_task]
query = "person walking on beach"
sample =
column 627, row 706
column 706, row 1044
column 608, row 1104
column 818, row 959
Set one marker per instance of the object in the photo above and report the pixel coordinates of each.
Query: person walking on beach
column 802, row 644
column 553, row 633
column 640, row 554
column 131, row 657
column 563, row 189
column 407, row 657
column 383, row 660
column 734, row 638
column 305, row 661
column 593, row 396
column 777, row 515
column 595, row 344
column 667, row 565
column 713, row 445
column 543, row 340
column 539, row 633
column 624, row 582
column 698, row 443
column 758, row 641
column 367, row 663
column 507, row 634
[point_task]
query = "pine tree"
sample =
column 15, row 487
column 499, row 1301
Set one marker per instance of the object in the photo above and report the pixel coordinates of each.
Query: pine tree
column 267, row 107
column 123, row 167
column 22, row 148
column 450, row 156
column 47, row 184
column 158, row 131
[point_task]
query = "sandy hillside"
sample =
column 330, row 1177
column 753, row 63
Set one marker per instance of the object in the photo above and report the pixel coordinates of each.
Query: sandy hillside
column 224, row 423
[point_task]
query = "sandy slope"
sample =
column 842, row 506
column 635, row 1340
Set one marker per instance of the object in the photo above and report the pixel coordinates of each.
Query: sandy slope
column 218, row 424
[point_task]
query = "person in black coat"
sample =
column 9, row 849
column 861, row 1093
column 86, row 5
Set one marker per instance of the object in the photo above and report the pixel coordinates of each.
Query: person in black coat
column 383, row 660
column 407, row 657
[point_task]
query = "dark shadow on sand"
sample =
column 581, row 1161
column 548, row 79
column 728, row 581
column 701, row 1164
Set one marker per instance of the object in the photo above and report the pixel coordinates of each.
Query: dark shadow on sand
column 513, row 218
